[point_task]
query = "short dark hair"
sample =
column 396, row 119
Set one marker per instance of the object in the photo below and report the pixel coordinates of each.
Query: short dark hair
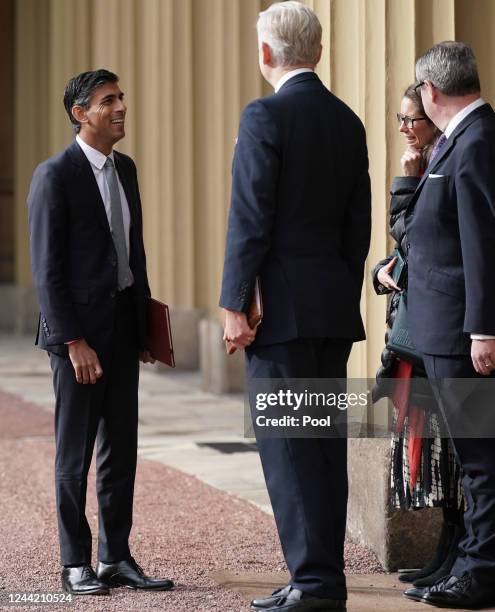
column 451, row 67
column 80, row 88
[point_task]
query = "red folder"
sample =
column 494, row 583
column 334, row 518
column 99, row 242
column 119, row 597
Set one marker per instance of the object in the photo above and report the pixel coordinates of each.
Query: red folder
column 160, row 333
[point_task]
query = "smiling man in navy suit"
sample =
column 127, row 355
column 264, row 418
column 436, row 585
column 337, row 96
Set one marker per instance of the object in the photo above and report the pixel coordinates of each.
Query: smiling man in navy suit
column 451, row 231
column 89, row 269
column 300, row 221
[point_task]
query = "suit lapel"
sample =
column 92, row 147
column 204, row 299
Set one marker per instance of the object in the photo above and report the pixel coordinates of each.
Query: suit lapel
column 441, row 155
column 448, row 146
column 87, row 184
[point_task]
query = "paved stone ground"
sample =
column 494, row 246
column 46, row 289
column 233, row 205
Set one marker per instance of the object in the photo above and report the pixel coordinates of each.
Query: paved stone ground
column 198, row 511
column 177, row 420
column 183, row 528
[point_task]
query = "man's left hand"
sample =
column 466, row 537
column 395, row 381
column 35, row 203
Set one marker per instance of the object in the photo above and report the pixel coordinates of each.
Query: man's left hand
column 145, row 357
column 483, row 356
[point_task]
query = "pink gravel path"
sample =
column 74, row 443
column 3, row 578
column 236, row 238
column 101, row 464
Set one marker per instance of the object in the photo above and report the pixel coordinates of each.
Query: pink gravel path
column 183, row 528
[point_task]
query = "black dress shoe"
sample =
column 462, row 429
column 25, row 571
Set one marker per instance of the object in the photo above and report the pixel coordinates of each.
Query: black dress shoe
column 128, row 574
column 82, row 580
column 464, row 593
column 415, row 593
column 296, row 601
column 267, row 602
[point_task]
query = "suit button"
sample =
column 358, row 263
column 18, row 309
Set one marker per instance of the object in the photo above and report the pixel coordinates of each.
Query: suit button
column 114, row 263
column 112, row 294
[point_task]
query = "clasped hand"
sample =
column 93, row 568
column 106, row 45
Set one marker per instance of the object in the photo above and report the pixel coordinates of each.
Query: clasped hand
column 237, row 330
column 411, row 161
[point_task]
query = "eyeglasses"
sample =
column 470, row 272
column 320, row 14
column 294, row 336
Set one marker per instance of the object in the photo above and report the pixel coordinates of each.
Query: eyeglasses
column 418, row 86
column 409, row 121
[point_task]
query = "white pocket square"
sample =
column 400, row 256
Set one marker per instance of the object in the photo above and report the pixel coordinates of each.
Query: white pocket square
column 434, row 176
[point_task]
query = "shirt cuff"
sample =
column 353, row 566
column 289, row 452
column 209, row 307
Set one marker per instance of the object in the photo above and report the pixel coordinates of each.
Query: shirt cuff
column 482, row 337
column 72, row 341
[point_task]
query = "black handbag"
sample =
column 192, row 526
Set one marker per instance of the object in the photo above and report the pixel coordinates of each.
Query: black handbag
column 399, row 341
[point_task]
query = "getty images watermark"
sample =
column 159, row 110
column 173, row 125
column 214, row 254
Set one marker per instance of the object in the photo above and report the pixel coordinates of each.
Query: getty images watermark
column 359, row 408
column 304, row 408
column 304, row 403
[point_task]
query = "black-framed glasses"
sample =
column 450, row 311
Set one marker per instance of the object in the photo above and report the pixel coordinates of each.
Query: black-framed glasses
column 409, row 121
column 418, row 86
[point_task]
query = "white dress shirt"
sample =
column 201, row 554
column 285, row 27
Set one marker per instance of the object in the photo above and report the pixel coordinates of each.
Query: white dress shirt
column 97, row 160
column 462, row 114
column 289, row 75
column 453, row 123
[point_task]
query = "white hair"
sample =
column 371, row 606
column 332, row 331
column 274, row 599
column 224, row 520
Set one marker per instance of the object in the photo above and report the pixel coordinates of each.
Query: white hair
column 292, row 31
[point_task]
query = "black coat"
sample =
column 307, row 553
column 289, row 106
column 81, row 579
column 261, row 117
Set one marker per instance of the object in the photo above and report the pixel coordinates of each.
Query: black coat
column 73, row 258
column 402, row 191
column 300, row 215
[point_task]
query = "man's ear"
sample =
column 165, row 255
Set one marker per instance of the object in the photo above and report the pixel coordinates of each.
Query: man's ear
column 266, row 54
column 432, row 91
column 79, row 114
column 318, row 57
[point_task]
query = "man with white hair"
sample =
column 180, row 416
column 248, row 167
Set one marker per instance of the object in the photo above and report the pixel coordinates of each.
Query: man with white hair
column 299, row 221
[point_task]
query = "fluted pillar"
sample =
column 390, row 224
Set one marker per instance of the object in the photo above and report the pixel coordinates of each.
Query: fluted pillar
column 187, row 68
column 7, row 138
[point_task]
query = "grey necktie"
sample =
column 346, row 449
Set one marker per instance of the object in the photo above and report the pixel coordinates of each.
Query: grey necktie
column 117, row 226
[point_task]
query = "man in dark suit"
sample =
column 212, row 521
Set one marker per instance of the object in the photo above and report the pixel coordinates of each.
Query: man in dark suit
column 451, row 231
column 89, row 269
column 300, row 221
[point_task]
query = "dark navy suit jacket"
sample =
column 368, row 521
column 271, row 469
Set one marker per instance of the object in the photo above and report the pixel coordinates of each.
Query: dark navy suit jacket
column 73, row 258
column 451, row 231
column 300, row 215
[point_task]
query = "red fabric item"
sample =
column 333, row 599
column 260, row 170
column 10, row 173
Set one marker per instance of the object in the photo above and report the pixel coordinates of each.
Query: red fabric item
column 415, row 414
column 400, row 392
column 415, row 438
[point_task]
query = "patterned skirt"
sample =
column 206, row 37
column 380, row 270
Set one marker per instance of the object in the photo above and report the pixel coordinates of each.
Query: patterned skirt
column 439, row 479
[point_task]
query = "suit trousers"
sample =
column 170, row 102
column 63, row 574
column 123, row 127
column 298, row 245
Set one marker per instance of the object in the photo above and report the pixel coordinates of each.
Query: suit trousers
column 306, row 478
column 107, row 412
column 464, row 407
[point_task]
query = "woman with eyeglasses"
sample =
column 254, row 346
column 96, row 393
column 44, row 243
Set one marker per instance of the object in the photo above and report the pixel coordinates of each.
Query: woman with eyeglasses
column 423, row 470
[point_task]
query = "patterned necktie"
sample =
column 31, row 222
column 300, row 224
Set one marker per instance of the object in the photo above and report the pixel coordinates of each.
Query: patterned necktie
column 117, row 226
column 438, row 145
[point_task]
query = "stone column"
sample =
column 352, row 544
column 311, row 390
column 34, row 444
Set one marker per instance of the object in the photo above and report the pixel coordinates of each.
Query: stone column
column 187, row 68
